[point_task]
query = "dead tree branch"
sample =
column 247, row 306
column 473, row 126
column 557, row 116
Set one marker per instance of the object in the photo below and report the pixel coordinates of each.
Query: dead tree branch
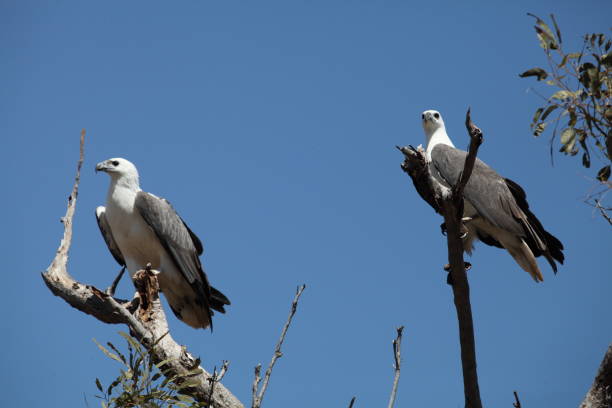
column 600, row 393
column 144, row 315
column 449, row 203
column 517, row 402
column 397, row 350
column 257, row 398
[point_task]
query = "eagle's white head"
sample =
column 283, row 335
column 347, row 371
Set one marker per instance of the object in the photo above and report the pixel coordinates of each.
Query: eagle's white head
column 121, row 171
column 435, row 131
column 432, row 121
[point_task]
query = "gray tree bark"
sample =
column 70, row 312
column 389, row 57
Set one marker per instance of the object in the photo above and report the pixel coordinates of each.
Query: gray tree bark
column 600, row 393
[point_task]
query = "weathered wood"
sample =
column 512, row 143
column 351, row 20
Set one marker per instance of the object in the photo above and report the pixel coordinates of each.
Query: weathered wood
column 600, row 393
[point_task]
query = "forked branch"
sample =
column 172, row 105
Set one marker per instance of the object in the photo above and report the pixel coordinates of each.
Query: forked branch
column 258, row 397
column 397, row 356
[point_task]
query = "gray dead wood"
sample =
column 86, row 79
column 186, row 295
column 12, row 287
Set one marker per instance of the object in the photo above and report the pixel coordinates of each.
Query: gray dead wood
column 449, row 203
column 258, row 398
column 397, row 356
column 600, row 393
column 144, row 315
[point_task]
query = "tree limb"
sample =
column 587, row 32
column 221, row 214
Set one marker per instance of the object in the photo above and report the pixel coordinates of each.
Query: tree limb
column 144, row 315
column 449, row 203
column 600, row 393
column 257, row 398
column 517, row 402
column 397, row 344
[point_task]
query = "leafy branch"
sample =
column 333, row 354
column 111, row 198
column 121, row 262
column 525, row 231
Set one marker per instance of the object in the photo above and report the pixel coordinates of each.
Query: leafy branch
column 582, row 96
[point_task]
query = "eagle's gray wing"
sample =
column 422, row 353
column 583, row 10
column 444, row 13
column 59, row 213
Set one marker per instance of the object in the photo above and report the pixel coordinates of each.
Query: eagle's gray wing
column 486, row 190
column 182, row 245
column 108, row 235
column 500, row 201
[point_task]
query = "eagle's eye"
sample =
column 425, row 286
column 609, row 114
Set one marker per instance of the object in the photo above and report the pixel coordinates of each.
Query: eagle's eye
column 115, row 163
column 437, row 115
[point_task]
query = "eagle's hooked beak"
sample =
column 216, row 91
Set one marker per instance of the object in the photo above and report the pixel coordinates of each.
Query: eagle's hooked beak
column 102, row 166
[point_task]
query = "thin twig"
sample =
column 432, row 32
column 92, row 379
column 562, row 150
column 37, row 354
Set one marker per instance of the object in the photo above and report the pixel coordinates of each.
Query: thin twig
column 224, row 369
column 255, row 386
column 257, row 398
column 212, row 380
column 603, row 211
column 111, row 289
column 352, row 402
column 397, row 344
column 517, row 403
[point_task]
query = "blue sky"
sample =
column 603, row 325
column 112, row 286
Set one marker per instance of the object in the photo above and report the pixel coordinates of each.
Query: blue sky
column 271, row 127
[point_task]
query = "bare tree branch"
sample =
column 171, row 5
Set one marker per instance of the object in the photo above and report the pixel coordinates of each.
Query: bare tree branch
column 144, row 315
column 352, row 402
column 600, row 393
column 449, row 203
column 517, row 402
column 397, row 345
column 257, row 398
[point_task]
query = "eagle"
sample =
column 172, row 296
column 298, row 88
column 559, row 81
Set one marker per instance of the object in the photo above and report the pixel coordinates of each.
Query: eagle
column 496, row 210
column 140, row 228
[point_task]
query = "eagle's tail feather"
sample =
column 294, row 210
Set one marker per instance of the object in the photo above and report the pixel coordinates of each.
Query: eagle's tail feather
column 218, row 300
column 524, row 257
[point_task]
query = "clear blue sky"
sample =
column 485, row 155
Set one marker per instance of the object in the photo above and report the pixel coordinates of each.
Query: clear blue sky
column 271, row 127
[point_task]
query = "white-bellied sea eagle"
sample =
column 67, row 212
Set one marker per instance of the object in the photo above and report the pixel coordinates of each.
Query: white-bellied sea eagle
column 496, row 211
column 141, row 228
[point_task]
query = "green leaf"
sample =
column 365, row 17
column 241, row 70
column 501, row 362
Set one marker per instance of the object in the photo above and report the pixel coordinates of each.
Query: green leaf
column 132, row 341
column 568, row 140
column 604, row 174
column 99, row 385
column 108, row 353
column 568, row 135
column 536, row 116
column 561, row 95
column 539, row 129
column 537, row 72
column 586, row 161
column 573, row 119
column 545, row 33
column 548, row 111
column 552, row 17
column 121, row 356
column 164, row 362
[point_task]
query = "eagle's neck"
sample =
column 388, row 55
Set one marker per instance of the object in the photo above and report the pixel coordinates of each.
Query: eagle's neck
column 438, row 136
column 122, row 192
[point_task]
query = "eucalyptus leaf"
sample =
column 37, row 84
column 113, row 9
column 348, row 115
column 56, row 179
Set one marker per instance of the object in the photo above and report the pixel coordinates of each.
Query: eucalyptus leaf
column 537, row 72
column 99, row 385
column 108, row 353
column 568, row 135
column 548, row 111
column 604, row 174
column 562, row 94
